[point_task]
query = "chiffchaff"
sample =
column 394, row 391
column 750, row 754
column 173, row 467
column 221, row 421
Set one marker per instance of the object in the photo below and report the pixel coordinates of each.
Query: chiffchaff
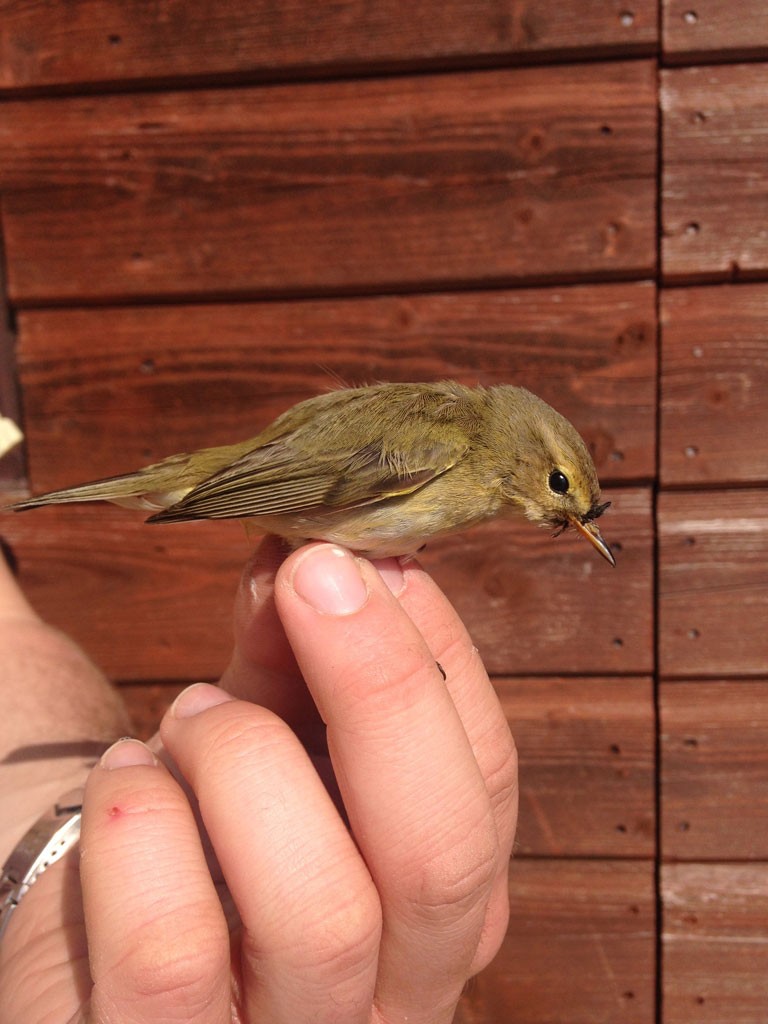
column 379, row 469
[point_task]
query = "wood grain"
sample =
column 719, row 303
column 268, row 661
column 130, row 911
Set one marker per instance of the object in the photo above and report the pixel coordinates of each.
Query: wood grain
column 144, row 605
column 552, row 607
column 714, row 378
column 580, row 947
column 154, row 603
column 93, row 42
column 714, row 749
column 714, row 172
column 191, row 249
column 713, row 588
column 147, row 703
column 715, row 947
column 498, row 176
column 703, row 30
column 108, row 390
column 586, row 749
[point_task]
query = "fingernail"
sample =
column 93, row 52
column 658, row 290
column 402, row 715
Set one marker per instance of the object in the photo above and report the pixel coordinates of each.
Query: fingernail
column 391, row 572
column 328, row 578
column 127, row 753
column 198, row 697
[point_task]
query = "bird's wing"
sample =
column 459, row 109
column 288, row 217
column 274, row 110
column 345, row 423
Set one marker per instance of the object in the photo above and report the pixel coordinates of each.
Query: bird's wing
column 284, row 476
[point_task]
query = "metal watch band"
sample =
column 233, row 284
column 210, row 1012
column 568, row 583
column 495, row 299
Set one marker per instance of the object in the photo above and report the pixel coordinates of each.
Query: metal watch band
column 52, row 835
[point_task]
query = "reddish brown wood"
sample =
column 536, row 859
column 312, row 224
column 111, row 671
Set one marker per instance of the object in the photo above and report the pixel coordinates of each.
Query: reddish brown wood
column 513, row 175
column 580, row 947
column 154, row 602
column 715, row 966
column 429, row 183
column 108, row 390
column 145, row 604
column 147, row 703
column 713, row 588
column 695, row 30
column 715, row 155
column 48, row 45
column 586, row 750
column 538, row 605
column 714, row 741
column 714, row 378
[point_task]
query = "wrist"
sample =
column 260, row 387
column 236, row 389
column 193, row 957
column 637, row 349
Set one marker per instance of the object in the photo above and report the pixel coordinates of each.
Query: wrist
column 57, row 715
column 49, row 839
column 28, row 791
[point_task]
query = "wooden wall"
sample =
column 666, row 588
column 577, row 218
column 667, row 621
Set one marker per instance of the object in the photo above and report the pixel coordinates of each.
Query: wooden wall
column 209, row 211
column 712, row 527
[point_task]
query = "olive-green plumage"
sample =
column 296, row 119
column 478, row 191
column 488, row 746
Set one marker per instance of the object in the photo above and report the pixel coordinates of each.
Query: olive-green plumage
column 380, row 469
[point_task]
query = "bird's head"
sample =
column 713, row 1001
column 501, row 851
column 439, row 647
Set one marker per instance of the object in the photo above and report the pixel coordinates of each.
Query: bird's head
column 551, row 477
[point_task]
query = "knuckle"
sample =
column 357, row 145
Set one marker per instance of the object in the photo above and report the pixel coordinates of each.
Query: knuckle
column 501, row 774
column 344, row 938
column 333, row 940
column 495, row 926
column 238, row 736
column 385, row 676
column 498, row 761
column 460, row 878
column 168, row 974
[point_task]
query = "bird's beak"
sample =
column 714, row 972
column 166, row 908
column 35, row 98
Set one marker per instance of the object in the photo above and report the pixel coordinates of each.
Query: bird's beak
column 591, row 532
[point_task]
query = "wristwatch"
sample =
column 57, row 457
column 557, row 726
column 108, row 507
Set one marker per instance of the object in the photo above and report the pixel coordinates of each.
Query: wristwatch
column 52, row 835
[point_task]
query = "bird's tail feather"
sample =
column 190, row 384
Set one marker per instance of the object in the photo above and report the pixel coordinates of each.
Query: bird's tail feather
column 147, row 489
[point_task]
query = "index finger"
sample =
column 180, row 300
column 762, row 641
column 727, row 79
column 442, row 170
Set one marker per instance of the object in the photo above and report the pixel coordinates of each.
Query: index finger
column 417, row 801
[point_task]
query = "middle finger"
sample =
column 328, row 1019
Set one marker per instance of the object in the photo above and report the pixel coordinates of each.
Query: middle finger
column 310, row 914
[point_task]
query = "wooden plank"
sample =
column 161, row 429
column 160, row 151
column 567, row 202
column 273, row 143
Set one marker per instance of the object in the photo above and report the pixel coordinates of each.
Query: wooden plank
column 580, row 947
column 147, row 703
column 714, row 378
column 154, row 603
column 109, row 390
column 715, row 943
column 714, row 202
column 550, row 607
column 48, row 45
column 711, row 29
column 586, row 748
column 145, row 605
column 714, row 748
column 713, row 588
column 498, row 176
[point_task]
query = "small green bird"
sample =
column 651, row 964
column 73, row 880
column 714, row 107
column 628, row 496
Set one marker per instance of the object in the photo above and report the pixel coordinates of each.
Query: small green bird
column 379, row 469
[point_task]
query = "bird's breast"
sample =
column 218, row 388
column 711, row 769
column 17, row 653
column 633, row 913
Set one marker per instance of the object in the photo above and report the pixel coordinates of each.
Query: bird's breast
column 398, row 525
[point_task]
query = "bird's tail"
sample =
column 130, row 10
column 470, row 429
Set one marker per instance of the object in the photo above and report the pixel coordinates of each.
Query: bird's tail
column 152, row 488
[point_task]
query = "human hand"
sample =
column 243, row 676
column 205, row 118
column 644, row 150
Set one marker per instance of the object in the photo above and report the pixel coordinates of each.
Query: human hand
column 372, row 902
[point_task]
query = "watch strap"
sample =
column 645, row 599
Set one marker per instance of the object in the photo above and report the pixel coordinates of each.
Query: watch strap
column 51, row 836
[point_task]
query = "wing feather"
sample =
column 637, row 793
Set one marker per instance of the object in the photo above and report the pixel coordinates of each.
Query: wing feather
column 265, row 483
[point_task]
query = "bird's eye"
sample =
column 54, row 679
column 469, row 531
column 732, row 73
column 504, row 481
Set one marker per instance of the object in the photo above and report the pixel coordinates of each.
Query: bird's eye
column 558, row 482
